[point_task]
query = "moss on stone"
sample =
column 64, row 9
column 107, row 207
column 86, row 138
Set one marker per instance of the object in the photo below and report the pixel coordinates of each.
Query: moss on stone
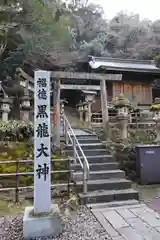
column 43, row 214
column 155, row 107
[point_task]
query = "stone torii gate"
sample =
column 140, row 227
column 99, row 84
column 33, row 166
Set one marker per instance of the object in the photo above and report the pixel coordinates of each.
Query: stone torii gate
column 58, row 76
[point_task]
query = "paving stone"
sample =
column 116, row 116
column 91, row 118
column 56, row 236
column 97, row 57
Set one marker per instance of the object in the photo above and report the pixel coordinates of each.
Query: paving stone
column 158, row 229
column 155, row 204
column 130, row 234
column 103, row 209
column 131, row 223
column 148, row 209
column 115, row 219
column 109, row 229
column 118, row 238
column 125, row 213
column 144, row 229
column 147, row 216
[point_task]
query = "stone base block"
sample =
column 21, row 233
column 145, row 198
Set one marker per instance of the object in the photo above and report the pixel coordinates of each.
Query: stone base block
column 41, row 226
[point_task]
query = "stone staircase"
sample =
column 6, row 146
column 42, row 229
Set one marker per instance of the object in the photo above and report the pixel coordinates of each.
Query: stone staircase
column 107, row 185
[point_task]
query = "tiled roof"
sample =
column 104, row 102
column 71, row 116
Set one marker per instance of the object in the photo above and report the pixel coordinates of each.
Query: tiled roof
column 123, row 64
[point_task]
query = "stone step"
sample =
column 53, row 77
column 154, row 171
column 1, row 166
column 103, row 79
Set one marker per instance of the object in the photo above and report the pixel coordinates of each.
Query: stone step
column 100, row 159
column 97, row 166
column 114, row 204
column 85, row 141
column 108, row 196
column 104, row 184
column 90, row 152
column 88, row 146
column 106, row 158
column 90, row 136
column 95, row 175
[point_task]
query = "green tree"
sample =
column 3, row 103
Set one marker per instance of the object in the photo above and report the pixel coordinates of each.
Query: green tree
column 46, row 30
column 10, row 37
column 89, row 28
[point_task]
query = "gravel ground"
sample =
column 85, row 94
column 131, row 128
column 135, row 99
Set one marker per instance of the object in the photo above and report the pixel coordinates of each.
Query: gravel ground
column 80, row 226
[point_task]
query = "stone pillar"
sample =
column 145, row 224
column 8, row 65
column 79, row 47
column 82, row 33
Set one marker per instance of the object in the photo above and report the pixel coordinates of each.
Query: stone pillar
column 89, row 112
column 56, row 107
column 41, row 220
column 156, row 109
column 5, row 108
column 104, row 104
column 25, row 108
column 122, row 104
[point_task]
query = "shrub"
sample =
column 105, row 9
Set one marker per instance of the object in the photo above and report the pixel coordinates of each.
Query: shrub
column 22, row 151
column 16, row 130
column 11, row 152
column 146, row 136
column 124, row 151
column 126, row 157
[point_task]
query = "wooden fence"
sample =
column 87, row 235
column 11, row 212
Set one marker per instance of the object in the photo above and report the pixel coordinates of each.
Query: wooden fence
column 11, row 181
column 134, row 121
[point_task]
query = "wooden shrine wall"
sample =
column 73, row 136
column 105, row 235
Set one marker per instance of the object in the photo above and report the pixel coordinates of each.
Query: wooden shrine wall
column 138, row 93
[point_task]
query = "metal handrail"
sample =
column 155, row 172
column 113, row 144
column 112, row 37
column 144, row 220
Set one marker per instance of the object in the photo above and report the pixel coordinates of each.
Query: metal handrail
column 70, row 135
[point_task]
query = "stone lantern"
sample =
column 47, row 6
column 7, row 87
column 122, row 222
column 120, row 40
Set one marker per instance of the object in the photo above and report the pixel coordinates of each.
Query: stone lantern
column 123, row 105
column 5, row 107
column 23, row 82
column 5, row 103
column 80, row 110
column 155, row 108
column 85, row 108
column 25, row 107
column 62, row 107
column 89, row 97
column 62, row 102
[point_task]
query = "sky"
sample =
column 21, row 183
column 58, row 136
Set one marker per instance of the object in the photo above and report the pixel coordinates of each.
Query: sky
column 147, row 9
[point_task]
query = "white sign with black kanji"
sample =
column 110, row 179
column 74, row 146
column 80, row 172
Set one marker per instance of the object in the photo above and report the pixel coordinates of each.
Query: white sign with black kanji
column 42, row 137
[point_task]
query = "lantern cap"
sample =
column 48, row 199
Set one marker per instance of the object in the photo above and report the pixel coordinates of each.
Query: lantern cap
column 121, row 101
